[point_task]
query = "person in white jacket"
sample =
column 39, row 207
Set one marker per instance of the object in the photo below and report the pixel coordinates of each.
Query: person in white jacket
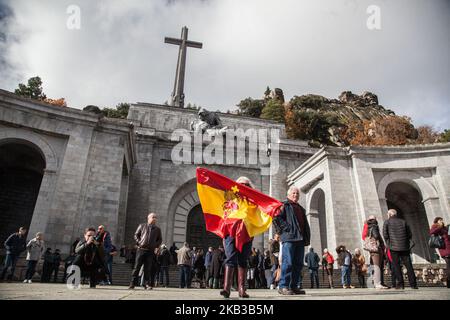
column 35, row 247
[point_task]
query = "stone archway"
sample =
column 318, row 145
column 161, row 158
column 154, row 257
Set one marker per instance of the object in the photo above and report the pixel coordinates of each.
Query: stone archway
column 408, row 202
column 181, row 204
column 22, row 166
column 186, row 219
column 33, row 140
column 318, row 221
column 196, row 233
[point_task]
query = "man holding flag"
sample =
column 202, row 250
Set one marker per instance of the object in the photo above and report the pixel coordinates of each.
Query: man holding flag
column 295, row 235
column 236, row 212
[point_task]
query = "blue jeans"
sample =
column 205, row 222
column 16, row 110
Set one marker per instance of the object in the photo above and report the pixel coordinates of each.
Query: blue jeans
column 109, row 263
column 291, row 264
column 233, row 257
column 345, row 273
column 10, row 262
column 164, row 273
column 185, row 276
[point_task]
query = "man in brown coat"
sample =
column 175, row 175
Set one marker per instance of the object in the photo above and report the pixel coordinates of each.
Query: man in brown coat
column 148, row 239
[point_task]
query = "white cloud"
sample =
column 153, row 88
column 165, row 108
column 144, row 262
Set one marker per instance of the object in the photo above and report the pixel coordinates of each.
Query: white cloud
column 321, row 47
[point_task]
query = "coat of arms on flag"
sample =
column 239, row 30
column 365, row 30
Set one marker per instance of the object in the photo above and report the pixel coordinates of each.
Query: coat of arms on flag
column 233, row 209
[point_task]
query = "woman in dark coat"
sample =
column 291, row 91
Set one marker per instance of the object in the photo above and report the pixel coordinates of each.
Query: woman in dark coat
column 216, row 265
column 439, row 228
column 376, row 258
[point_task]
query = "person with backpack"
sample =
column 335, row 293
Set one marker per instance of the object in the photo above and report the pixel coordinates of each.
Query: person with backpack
column 328, row 266
column 373, row 242
column 312, row 260
column 440, row 230
column 345, row 262
column 164, row 262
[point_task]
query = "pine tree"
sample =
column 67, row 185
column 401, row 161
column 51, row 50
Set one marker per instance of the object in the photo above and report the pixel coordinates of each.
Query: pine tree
column 274, row 110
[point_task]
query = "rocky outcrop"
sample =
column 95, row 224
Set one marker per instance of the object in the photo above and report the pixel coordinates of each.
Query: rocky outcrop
column 329, row 119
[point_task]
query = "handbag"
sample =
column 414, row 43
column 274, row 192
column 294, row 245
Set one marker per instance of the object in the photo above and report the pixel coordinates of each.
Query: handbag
column 364, row 268
column 277, row 274
column 436, row 242
column 371, row 244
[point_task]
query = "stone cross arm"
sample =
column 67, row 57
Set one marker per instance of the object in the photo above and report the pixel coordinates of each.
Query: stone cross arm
column 189, row 43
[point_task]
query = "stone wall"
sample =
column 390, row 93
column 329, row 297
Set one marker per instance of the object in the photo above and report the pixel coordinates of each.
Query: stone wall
column 355, row 181
column 84, row 158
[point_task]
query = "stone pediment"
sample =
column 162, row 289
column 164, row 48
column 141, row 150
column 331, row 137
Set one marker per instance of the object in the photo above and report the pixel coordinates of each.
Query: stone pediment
column 165, row 118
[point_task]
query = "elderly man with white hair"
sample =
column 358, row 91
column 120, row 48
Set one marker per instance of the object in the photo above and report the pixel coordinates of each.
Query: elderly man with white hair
column 295, row 235
column 397, row 235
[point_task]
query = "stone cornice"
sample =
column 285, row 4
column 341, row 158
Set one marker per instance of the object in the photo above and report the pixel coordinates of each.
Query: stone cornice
column 32, row 106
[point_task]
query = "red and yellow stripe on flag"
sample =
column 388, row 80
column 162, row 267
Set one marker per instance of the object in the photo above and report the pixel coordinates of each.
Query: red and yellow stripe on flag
column 231, row 208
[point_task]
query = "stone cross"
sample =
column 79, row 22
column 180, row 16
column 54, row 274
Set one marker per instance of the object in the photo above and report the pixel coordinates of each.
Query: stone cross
column 177, row 98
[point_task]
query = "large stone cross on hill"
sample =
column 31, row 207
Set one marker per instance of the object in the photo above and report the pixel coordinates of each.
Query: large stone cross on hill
column 177, row 98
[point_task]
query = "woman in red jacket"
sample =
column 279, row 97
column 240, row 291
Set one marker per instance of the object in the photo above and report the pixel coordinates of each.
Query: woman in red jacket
column 439, row 228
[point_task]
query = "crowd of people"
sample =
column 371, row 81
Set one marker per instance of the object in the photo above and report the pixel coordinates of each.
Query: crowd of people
column 280, row 266
column 94, row 255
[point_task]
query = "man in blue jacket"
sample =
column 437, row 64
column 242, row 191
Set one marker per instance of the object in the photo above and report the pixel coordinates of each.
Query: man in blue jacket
column 312, row 260
column 295, row 235
column 15, row 245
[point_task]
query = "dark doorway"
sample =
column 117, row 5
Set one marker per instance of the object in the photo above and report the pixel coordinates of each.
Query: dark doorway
column 21, row 171
column 196, row 234
column 318, row 221
column 407, row 200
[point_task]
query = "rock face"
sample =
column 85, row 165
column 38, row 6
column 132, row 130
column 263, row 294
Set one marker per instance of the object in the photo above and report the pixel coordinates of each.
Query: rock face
column 276, row 93
column 333, row 116
column 365, row 99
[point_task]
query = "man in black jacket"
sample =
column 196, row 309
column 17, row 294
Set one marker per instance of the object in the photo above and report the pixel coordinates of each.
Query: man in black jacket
column 15, row 245
column 89, row 258
column 148, row 239
column 397, row 235
column 164, row 262
column 312, row 260
column 295, row 235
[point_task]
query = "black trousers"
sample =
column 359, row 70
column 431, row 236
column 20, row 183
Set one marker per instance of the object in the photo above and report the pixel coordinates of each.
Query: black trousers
column 143, row 258
column 447, row 261
column 314, row 276
column 405, row 258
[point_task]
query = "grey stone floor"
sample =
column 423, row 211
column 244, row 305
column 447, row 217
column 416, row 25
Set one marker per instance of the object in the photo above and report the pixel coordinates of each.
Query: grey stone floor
column 38, row 291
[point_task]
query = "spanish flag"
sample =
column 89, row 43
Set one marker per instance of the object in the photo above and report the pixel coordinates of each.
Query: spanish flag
column 233, row 209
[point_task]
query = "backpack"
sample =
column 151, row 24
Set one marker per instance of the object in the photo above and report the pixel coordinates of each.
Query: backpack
column 436, row 242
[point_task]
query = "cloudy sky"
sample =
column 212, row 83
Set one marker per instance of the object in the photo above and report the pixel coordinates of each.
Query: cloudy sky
column 321, row 47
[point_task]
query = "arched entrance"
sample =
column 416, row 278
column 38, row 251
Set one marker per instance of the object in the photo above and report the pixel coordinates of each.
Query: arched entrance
column 21, row 170
column 318, row 221
column 196, row 233
column 407, row 200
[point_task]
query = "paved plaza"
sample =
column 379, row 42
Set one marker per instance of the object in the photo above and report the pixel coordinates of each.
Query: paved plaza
column 38, row 291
